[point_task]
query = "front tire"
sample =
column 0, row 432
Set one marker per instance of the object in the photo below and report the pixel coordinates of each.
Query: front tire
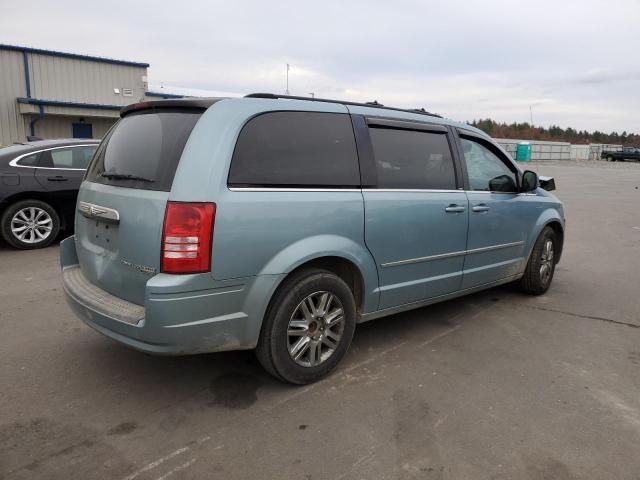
column 308, row 327
column 29, row 224
column 542, row 264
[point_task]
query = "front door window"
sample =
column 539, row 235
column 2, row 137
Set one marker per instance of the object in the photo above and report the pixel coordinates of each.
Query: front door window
column 485, row 169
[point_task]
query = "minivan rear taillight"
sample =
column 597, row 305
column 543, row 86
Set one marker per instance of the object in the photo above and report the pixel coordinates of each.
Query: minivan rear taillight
column 186, row 237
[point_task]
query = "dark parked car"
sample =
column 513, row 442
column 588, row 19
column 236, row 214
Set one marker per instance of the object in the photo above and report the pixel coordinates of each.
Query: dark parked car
column 627, row 153
column 39, row 183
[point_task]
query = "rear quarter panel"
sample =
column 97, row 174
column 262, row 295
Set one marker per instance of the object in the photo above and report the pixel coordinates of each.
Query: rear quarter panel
column 17, row 182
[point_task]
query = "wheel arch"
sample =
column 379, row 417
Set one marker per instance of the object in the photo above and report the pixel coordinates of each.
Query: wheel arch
column 549, row 218
column 559, row 231
column 42, row 197
column 339, row 266
column 340, row 255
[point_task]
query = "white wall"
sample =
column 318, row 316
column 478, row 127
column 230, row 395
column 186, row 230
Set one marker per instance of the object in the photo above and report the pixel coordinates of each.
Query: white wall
column 580, row 152
column 84, row 81
column 540, row 150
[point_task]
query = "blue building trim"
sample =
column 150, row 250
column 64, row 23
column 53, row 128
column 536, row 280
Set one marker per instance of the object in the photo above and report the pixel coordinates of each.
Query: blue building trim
column 58, row 103
column 75, row 56
column 27, row 74
column 163, row 95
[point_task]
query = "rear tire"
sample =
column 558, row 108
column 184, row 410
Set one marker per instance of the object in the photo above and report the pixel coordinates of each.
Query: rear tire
column 541, row 265
column 29, row 224
column 302, row 338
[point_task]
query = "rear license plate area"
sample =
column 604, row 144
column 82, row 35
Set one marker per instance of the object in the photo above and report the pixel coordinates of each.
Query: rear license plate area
column 103, row 234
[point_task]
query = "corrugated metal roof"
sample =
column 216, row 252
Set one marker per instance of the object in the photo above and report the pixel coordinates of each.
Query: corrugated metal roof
column 77, row 56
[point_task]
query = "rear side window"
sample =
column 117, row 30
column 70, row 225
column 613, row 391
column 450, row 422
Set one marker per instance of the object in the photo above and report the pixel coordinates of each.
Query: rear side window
column 296, row 149
column 143, row 150
column 29, row 160
column 412, row 159
column 71, row 157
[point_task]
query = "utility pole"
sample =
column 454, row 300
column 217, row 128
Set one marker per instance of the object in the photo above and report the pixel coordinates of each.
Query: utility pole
column 287, row 90
column 531, row 114
column 313, row 95
column 532, row 132
column 531, row 118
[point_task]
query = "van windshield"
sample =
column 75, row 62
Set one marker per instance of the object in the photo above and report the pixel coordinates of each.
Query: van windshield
column 143, row 150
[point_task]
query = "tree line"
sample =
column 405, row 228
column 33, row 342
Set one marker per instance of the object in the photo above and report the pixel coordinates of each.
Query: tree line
column 554, row 133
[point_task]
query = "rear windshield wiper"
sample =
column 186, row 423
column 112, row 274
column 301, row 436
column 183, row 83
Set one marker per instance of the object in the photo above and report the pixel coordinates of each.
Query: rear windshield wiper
column 125, row 176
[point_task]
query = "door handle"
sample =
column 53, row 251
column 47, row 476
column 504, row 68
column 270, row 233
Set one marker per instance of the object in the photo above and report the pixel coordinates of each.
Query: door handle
column 481, row 208
column 57, row 178
column 453, row 208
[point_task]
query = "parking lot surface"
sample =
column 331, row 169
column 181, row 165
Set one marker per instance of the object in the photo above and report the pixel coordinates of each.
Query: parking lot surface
column 495, row 385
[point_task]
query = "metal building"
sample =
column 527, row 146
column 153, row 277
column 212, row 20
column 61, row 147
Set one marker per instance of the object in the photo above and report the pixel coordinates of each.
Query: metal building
column 49, row 94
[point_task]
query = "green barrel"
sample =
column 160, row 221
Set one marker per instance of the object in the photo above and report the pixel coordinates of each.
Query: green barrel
column 523, row 152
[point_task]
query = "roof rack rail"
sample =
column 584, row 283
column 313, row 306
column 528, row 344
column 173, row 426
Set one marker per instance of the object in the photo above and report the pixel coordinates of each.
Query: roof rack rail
column 373, row 104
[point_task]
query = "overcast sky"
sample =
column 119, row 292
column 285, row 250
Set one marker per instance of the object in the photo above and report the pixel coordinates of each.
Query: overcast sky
column 574, row 62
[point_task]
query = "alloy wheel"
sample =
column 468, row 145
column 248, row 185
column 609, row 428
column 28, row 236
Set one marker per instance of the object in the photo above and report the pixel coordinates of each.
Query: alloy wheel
column 31, row 225
column 315, row 329
column 546, row 261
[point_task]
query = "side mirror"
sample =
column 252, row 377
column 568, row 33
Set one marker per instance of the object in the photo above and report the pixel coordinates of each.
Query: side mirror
column 547, row 183
column 529, row 181
column 502, row 183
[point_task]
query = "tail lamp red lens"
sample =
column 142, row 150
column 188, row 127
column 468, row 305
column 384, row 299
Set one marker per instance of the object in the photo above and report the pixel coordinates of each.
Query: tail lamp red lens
column 187, row 237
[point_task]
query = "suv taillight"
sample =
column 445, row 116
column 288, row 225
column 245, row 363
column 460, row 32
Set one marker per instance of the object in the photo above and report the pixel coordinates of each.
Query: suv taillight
column 187, row 237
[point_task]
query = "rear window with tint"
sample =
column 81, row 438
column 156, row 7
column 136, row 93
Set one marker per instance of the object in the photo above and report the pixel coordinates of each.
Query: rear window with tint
column 145, row 145
column 296, row 149
column 407, row 159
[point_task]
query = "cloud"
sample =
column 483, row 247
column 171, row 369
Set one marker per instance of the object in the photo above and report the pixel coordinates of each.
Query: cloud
column 599, row 76
column 460, row 58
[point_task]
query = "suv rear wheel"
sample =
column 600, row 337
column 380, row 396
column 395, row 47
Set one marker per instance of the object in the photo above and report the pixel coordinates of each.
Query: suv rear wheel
column 308, row 327
column 29, row 224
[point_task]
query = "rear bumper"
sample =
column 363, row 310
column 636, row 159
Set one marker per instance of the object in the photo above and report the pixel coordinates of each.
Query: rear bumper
column 177, row 318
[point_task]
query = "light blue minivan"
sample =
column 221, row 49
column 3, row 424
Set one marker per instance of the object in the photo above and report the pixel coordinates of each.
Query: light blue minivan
column 277, row 223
